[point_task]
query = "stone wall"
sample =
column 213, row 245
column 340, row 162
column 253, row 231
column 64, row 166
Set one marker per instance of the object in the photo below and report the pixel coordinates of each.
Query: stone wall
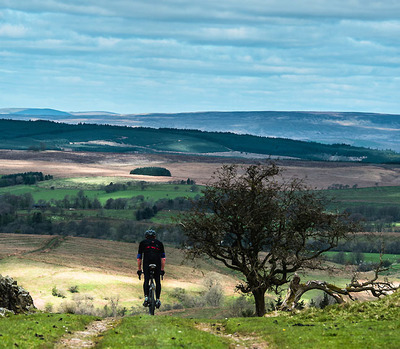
column 13, row 297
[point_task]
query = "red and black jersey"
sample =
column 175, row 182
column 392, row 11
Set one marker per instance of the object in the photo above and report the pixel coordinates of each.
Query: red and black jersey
column 151, row 251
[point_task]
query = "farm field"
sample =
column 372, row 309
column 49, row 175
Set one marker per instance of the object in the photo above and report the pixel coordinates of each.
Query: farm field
column 93, row 188
column 58, row 189
column 378, row 196
column 199, row 168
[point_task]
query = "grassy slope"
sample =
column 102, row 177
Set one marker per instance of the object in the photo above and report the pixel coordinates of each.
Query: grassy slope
column 101, row 269
column 356, row 325
column 38, row 330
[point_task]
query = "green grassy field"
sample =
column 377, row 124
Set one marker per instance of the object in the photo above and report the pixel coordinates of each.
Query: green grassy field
column 104, row 271
column 92, row 186
column 368, row 257
column 354, row 325
column 59, row 188
column 373, row 196
column 38, row 330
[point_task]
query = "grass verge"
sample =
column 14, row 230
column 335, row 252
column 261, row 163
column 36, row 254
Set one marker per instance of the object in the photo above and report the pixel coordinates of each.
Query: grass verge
column 353, row 325
column 160, row 332
column 38, row 330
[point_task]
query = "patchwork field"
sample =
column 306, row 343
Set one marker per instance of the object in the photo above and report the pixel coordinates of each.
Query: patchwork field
column 199, row 168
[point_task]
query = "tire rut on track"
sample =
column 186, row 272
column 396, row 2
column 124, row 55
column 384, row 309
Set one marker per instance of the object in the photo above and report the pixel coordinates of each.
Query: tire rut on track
column 49, row 245
column 240, row 341
column 89, row 337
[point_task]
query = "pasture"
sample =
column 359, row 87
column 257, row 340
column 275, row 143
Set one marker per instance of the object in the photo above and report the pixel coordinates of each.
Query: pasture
column 93, row 188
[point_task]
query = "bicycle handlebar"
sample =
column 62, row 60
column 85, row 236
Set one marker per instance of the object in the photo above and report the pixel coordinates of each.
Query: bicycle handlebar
column 140, row 277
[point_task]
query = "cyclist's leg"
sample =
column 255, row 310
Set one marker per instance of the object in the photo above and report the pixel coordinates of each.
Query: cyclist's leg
column 158, row 284
column 146, row 286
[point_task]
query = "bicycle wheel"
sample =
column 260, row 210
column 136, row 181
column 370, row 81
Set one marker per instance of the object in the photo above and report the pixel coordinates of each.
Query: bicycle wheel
column 152, row 300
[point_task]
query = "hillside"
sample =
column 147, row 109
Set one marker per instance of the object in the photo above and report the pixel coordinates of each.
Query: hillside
column 372, row 130
column 41, row 135
column 101, row 269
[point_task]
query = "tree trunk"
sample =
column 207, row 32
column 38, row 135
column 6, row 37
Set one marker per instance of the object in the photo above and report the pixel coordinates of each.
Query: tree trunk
column 297, row 289
column 260, row 301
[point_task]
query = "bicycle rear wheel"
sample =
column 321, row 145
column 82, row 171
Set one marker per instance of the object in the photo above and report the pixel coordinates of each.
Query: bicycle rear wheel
column 152, row 301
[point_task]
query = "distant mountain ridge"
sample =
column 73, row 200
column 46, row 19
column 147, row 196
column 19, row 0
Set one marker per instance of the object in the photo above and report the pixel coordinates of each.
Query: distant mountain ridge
column 378, row 131
column 42, row 135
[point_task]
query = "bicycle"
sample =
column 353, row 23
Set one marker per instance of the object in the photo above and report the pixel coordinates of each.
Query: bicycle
column 152, row 289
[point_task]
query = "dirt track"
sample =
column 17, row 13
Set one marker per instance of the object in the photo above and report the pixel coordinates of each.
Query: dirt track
column 199, row 168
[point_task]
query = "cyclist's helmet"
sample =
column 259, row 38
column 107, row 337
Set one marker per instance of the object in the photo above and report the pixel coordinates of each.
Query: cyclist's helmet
column 150, row 234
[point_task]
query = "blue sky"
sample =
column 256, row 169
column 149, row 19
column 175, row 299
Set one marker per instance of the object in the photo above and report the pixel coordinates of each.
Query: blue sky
column 143, row 56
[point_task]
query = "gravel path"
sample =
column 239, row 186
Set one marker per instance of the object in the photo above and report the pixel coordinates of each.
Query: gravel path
column 89, row 337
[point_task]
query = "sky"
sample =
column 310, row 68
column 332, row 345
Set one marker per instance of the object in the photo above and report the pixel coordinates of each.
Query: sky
column 145, row 56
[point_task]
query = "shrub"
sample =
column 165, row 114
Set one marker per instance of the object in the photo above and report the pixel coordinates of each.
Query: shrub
column 241, row 307
column 57, row 293
column 366, row 266
column 48, row 308
column 113, row 309
column 214, row 294
column 73, row 289
column 68, row 307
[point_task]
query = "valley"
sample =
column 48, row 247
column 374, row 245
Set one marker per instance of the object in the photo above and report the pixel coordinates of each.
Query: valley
column 317, row 174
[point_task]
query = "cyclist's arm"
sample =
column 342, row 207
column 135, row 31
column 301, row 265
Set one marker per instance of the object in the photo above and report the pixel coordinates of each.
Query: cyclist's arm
column 162, row 257
column 139, row 256
column 162, row 263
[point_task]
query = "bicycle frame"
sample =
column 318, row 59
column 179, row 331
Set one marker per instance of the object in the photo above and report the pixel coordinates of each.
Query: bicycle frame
column 152, row 290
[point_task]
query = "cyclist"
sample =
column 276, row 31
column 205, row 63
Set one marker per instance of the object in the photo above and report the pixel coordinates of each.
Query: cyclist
column 151, row 251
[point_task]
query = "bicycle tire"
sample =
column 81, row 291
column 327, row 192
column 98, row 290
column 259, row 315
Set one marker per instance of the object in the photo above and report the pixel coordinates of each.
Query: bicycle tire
column 152, row 300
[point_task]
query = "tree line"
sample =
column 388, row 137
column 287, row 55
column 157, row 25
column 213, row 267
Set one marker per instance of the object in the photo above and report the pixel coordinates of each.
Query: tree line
column 23, row 178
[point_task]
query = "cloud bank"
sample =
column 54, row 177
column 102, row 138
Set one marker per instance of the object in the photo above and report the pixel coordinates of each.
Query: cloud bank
column 174, row 55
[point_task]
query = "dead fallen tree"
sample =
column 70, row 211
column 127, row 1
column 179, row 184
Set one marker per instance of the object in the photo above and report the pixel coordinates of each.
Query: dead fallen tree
column 375, row 287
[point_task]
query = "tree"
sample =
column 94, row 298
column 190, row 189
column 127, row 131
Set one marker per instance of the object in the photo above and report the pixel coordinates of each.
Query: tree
column 262, row 227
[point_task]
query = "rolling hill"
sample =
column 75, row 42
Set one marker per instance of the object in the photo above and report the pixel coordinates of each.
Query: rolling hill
column 372, row 130
column 47, row 135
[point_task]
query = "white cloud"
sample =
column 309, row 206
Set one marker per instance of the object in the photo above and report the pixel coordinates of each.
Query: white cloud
column 12, row 31
column 207, row 54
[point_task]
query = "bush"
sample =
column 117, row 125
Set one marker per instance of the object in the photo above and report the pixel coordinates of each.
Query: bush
column 57, row 293
column 366, row 266
column 322, row 301
column 151, row 171
column 214, row 295
column 113, row 308
column 48, row 308
column 67, row 307
column 73, row 289
column 241, row 307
